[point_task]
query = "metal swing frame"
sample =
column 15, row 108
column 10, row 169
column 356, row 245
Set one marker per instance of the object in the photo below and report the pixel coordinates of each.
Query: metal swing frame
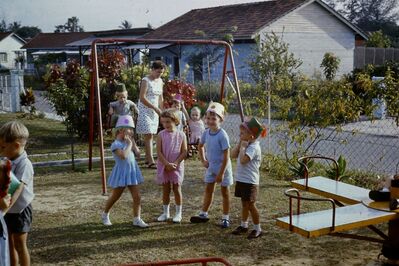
column 95, row 94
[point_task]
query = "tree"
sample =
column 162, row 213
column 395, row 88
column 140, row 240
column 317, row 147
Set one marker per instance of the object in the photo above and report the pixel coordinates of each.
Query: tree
column 330, row 65
column 3, row 26
column 72, row 25
column 378, row 39
column 366, row 10
column 126, row 25
column 14, row 26
column 371, row 15
column 306, row 107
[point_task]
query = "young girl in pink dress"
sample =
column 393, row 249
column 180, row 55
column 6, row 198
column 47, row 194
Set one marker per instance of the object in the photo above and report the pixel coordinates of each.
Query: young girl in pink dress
column 171, row 150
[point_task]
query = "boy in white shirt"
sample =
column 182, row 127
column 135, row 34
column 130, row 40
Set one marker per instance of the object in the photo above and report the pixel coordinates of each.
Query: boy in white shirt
column 248, row 154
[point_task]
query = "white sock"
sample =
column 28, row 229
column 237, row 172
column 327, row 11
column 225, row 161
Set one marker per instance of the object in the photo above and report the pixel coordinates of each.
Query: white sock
column 178, row 209
column 136, row 218
column 203, row 213
column 225, row 217
column 244, row 224
column 166, row 209
column 257, row 227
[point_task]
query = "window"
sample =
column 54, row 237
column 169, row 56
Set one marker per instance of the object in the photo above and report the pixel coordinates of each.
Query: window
column 3, row 57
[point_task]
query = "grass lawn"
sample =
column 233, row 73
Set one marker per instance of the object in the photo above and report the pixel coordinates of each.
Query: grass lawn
column 67, row 229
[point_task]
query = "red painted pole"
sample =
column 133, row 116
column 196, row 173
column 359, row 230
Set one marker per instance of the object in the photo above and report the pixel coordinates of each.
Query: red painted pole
column 233, row 70
column 99, row 120
column 226, row 54
column 91, row 107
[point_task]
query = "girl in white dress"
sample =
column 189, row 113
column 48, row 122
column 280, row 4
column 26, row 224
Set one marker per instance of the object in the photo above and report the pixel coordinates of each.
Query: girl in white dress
column 150, row 107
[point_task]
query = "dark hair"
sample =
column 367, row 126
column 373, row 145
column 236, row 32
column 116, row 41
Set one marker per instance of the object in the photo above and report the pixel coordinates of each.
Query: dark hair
column 158, row 64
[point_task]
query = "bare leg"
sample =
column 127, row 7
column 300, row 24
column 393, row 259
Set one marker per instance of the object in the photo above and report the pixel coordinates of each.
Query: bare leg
column 177, row 193
column 115, row 195
column 166, row 194
column 21, row 247
column 254, row 213
column 13, row 251
column 245, row 210
column 148, row 148
column 135, row 191
column 208, row 196
column 226, row 199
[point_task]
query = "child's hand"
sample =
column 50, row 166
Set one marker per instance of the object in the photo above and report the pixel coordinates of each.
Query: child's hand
column 219, row 178
column 128, row 139
column 205, row 163
column 243, row 144
column 136, row 152
column 5, row 202
column 170, row 167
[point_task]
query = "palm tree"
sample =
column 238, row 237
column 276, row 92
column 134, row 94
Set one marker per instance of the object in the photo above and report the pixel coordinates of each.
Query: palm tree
column 125, row 25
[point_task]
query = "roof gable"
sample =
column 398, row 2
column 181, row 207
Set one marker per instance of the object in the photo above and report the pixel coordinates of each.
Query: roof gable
column 4, row 35
column 249, row 19
column 215, row 22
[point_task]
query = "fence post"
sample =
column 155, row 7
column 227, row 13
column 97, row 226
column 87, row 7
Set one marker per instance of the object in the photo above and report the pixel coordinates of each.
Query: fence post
column 16, row 87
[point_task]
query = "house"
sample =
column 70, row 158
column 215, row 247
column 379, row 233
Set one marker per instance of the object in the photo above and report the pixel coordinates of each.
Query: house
column 310, row 27
column 10, row 50
column 61, row 47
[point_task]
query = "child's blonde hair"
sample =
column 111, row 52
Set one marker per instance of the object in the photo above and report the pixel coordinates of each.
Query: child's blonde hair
column 118, row 93
column 14, row 130
column 196, row 108
column 172, row 114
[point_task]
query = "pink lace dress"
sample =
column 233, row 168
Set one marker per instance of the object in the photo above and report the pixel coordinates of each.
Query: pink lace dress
column 171, row 148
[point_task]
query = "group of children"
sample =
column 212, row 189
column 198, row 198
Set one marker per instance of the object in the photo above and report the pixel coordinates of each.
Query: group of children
column 214, row 153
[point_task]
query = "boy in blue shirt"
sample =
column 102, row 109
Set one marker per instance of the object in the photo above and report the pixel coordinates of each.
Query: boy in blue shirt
column 214, row 152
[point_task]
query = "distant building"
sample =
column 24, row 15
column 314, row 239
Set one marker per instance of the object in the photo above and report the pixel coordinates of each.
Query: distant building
column 310, row 27
column 61, row 47
column 11, row 54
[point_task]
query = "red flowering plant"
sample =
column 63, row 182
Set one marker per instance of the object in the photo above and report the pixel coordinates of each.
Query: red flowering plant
column 186, row 90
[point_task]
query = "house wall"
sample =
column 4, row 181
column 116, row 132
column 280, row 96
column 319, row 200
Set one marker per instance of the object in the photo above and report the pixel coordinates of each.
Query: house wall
column 311, row 31
column 242, row 53
column 9, row 45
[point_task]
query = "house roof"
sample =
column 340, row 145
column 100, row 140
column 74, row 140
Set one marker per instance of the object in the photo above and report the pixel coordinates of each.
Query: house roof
column 215, row 22
column 4, row 35
column 60, row 40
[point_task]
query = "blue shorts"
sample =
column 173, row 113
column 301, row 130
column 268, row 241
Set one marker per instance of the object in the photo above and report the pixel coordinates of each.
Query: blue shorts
column 226, row 181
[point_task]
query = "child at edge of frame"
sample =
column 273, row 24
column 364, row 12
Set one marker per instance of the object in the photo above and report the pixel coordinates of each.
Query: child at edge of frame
column 13, row 138
column 214, row 152
column 249, row 157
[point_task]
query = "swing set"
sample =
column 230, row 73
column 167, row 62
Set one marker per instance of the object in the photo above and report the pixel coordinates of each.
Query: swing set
column 95, row 93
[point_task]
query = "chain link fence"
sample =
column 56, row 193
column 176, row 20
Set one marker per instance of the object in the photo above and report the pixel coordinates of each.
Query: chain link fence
column 367, row 146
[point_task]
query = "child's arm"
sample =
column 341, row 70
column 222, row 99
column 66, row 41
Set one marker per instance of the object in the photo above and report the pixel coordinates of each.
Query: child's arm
column 183, row 152
column 201, row 150
column 244, row 158
column 168, row 166
column 133, row 107
column 123, row 154
column 226, row 155
column 15, row 196
column 135, row 149
column 110, row 110
column 184, row 110
column 235, row 151
column 5, row 203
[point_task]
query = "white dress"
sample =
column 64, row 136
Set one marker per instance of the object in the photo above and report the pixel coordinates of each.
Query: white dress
column 148, row 119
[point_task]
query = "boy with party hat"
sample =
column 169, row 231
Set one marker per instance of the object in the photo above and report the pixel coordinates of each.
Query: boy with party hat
column 214, row 153
column 248, row 154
